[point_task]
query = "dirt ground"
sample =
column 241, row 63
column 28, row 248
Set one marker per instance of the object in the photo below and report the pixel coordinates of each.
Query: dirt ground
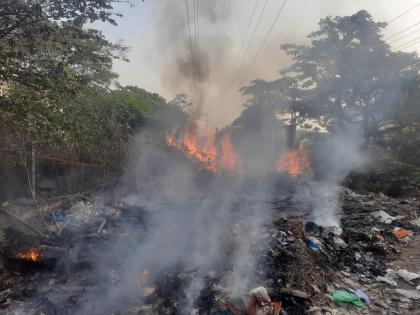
column 410, row 260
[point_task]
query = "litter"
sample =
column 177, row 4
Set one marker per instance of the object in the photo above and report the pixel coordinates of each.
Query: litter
column 347, row 297
column 362, row 295
column 339, row 243
column 384, row 217
column 408, row 276
column 386, row 280
column 416, row 222
column 313, row 243
column 400, row 233
column 257, row 301
column 411, row 294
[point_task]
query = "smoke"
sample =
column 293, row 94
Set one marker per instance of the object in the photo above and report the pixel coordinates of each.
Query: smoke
column 336, row 158
column 205, row 68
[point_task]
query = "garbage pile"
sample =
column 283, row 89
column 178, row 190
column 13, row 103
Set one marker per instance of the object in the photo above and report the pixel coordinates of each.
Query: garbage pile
column 362, row 267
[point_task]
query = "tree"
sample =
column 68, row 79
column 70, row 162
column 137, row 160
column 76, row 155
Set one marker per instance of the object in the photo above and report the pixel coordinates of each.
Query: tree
column 348, row 73
column 47, row 57
column 283, row 98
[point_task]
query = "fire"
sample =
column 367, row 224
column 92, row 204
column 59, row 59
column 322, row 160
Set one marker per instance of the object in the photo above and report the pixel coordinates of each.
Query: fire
column 145, row 275
column 202, row 147
column 171, row 141
column 228, row 159
column 29, row 255
column 295, row 161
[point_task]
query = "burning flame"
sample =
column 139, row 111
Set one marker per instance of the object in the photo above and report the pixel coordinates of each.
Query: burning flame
column 201, row 149
column 143, row 278
column 29, row 255
column 228, row 159
column 295, row 161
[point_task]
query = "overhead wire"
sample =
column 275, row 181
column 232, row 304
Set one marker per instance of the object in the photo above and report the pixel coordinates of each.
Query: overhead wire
column 253, row 33
column 404, row 36
column 198, row 33
column 404, row 30
column 266, row 37
column 191, row 50
column 197, row 58
column 411, row 45
column 239, row 53
column 250, row 40
column 403, row 13
column 407, row 43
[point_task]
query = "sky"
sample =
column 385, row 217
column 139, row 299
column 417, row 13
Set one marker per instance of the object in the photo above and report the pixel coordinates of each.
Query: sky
column 156, row 32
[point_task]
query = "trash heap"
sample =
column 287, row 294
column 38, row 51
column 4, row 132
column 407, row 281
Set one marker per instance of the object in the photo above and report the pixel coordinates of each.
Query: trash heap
column 364, row 267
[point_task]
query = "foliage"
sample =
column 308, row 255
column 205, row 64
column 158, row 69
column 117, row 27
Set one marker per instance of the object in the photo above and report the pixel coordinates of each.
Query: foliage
column 347, row 75
column 47, row 58
column 400, row 131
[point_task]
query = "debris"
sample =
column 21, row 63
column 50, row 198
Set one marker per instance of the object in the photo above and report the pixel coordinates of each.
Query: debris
column 255, row 302
column 296, row 293
column 261, row 294
column 386, row 280
column 339, row 243
column 347, row 297
column 410, row 294
column 408, row 276
column 101, row 227
column 385, row 217
column 400, row 233
column 416, row 222
column 313, row 243
column 362, row 295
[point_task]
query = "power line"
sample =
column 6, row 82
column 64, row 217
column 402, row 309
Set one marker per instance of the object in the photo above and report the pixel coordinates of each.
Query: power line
column 264, row 41
column 253, row 33
column 404, row 13
column 249, row 42
column 404, row 30
column 231, row 77
column 405, row 36
column 407, row 43
column 195, row 30
column 412, row 44
column 191, row 50
column 198, row 33
column 268, row 34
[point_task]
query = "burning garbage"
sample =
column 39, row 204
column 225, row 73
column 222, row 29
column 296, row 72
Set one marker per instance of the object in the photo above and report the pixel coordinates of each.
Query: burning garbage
column 32, row 254
column 255, row 302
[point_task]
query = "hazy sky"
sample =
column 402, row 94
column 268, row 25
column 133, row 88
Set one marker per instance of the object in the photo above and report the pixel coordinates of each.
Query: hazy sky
column 157, row 34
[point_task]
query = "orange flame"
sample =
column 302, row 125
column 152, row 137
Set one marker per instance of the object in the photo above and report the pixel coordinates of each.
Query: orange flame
column 202, row 148
column 29, row 255
column 143, row 278
column 228, row 159
column 295, row 161
column 199, row 148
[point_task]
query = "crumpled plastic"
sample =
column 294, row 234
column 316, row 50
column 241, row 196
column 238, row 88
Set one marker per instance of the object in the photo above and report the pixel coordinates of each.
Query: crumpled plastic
column 408, row 276
column 340, row 296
